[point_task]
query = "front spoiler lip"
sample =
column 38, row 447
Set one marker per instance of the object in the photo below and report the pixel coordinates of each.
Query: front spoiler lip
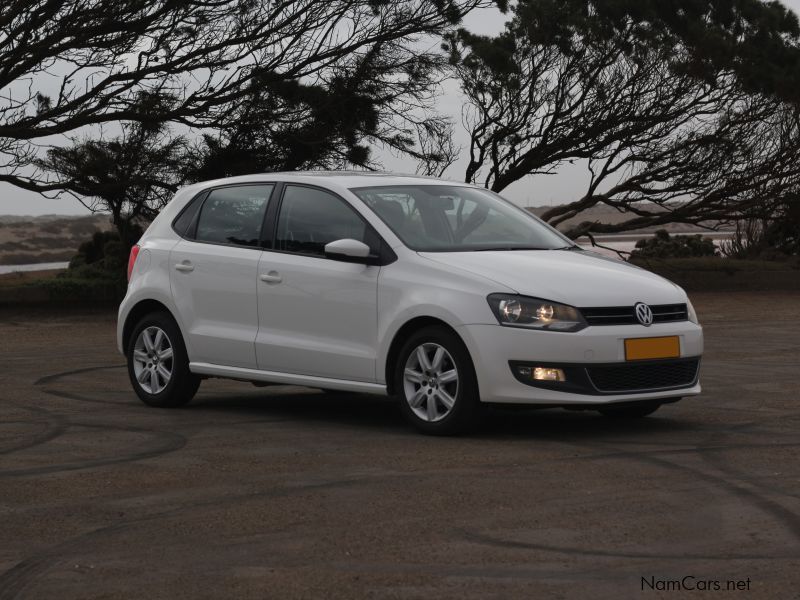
column 579, row 382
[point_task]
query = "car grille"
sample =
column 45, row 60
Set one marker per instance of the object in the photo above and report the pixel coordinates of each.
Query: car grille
column 652, row 375
column 624, row 315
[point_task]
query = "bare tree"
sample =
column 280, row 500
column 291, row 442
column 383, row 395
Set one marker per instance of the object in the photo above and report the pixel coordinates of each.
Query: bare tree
column 669, row 130
column 69, row 65
column 132, row 176
column 703, row 172
column 333, row 120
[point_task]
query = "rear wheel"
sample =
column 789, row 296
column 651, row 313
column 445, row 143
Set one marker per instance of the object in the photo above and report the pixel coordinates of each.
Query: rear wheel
column 436, row 383
column 158, row 365
column 636, row 410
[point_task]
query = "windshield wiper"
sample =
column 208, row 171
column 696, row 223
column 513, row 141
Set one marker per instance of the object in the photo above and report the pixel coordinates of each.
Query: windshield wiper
column 573, row 247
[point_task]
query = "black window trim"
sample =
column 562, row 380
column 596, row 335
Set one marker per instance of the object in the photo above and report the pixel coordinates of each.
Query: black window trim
column 385, row 257
column 191, row 231
column 198, row 199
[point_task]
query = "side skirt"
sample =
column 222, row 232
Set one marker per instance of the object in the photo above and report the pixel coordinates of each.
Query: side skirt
column 287, row 378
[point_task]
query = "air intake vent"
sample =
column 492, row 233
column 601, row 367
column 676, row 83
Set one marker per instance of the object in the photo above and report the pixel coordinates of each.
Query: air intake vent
column 645, row 376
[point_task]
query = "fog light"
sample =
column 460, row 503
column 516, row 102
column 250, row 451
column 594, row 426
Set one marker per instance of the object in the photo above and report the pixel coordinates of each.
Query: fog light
column 547, row 374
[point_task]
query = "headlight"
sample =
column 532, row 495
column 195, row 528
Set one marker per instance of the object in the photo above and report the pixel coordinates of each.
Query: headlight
column 691, row 312
column 535, row 313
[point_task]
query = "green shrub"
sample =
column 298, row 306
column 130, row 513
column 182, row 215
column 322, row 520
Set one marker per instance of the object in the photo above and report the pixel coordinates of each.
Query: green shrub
column 662, row 245
column 81, row 227
column 783, row 234
column 714, row 264
column 104, row 256
column 92, row 250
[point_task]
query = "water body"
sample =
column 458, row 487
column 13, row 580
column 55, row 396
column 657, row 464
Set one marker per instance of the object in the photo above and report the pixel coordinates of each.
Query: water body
column 33, row 267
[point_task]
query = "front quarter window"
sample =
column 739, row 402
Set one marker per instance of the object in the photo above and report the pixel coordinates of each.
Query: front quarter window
column 310, row 218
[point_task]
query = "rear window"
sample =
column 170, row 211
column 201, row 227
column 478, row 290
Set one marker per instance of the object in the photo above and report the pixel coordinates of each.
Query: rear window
column 234, row 215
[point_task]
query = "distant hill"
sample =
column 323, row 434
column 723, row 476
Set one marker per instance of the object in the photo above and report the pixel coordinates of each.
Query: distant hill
column 46, row 238
column 607, row 214
column 53, row 238
column 5, row 219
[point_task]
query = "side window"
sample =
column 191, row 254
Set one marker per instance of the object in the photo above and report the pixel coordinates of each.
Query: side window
column 310, row 218
column 233, row 215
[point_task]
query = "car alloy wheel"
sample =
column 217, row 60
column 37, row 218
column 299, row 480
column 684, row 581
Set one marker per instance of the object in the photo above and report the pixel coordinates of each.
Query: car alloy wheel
column 153, row 360
column 430, row 382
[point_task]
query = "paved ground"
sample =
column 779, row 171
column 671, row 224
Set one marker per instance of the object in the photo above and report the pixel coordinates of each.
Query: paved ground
column 284, row 493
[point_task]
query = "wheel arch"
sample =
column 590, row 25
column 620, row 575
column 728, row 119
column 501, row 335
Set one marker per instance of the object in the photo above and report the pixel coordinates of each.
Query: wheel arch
column 139, row 310
column 406, row 330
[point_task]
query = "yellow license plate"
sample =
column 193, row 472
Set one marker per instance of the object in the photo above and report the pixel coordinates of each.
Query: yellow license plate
column 650, row 348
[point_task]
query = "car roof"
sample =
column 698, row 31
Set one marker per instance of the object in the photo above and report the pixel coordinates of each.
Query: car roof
column 347, row 179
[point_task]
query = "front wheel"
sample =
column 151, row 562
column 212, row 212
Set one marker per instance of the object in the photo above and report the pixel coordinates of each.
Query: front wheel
column 158, row 364
column 436, row 383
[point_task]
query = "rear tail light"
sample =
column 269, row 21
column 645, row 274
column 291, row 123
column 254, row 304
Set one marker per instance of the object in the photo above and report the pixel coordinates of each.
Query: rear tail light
column 132, row 260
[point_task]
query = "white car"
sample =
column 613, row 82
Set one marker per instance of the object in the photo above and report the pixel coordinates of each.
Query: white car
column 442, row 294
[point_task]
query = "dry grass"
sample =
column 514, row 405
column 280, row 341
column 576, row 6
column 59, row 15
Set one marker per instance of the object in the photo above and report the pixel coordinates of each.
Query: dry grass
column 46, row 239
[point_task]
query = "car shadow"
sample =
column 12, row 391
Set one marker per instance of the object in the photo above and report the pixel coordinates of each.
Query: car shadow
column 381, row 413
column 304, row 404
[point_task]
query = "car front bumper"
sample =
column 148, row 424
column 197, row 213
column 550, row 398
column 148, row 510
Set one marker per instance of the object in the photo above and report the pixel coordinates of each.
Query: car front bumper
column 496, row 350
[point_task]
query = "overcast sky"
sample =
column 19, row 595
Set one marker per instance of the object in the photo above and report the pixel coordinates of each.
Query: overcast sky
column 563, row 186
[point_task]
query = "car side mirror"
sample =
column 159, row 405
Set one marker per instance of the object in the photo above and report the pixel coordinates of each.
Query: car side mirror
column 349, row 250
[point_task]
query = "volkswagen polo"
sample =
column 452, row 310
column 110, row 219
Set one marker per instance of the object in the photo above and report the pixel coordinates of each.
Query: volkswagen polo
column 441, row 294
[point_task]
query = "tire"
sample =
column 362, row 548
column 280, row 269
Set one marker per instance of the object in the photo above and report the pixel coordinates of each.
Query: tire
column 424, row 397
column 637, row 410
column 147, row 371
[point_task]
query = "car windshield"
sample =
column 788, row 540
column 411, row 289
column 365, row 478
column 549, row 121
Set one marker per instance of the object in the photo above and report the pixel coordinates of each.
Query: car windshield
column 443, row 218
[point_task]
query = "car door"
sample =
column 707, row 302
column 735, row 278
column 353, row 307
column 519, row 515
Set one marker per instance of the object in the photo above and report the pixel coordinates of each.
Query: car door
column 214, row 274
column 317, row 316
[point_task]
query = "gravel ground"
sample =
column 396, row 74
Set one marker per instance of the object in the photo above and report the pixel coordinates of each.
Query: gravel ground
column 290, row 493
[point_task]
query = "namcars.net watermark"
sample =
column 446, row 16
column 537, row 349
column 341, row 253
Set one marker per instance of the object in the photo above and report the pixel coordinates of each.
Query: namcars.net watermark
column 693, row 583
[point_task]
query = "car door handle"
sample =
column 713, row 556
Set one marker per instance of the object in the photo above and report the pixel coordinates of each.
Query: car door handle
column 185, row 267
column 271, row 277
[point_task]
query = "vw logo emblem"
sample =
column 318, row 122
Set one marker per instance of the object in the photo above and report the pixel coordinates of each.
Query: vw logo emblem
column 643, row 314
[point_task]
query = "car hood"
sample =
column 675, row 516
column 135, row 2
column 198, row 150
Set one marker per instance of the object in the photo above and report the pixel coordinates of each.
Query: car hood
column 576, row 277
